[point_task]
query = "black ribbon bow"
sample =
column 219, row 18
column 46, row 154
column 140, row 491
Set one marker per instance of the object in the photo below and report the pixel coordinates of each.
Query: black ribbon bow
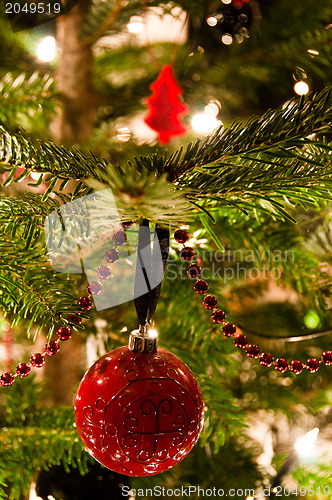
column 149, row 269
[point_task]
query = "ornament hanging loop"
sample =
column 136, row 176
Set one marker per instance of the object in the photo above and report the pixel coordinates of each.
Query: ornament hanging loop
column 145, row 339
column 149, row 274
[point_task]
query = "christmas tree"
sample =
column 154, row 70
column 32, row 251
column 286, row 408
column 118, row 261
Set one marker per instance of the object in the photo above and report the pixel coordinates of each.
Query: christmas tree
column 253, row 192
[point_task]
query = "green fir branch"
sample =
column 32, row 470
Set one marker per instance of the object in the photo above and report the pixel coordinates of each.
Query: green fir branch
column 239, row 166
column 29, row 288
column 36, row 439
column 23, row 218
column 20, row 150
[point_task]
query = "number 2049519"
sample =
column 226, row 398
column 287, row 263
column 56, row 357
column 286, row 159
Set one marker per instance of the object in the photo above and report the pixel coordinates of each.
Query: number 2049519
column 307, row 491
column 32, row 8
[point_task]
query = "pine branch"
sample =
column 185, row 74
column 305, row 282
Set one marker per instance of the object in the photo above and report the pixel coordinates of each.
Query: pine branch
column 240, row 166
column 28, row 95
column 284, row 126
column 107, row 16
column 139, row 194
column 276, row 247
column 309, row 50
column 29, row 288
column 273, row 181
column 35, row 439
column 23, row 218
column 20, row 150
column 24, row 451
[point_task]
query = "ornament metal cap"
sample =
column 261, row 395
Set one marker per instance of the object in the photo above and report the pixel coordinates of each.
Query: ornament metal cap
column 145, row 339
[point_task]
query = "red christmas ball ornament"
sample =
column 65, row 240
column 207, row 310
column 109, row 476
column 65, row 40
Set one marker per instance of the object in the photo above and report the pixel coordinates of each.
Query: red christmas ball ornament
column 139, row 410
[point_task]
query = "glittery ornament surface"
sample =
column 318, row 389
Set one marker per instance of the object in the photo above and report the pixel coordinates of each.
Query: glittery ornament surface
column 139, row 414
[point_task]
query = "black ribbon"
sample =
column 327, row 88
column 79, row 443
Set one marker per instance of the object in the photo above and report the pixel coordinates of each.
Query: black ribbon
column 149, row 269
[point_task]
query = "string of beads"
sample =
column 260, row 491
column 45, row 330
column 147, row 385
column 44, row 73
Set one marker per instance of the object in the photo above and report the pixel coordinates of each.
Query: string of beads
column 201, row 287
column 37, row 360
column 229, row 330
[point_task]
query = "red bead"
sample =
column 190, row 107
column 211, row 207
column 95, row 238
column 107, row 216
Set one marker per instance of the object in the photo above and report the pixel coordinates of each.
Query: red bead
column 103, row 272
column 181, row 236
column 281, row 365
column 218, row 316
column 253, row 351
column 296, row 366
column 312, row 365
column 112, row 255
column 327, row 357
column 187, row 253
column 52, row 348
column 7, row 379
column 23, row 370
column 95, row 288
column 210, row 302
column 266, row 359
column 241, row 341
column 229, row 329
column 127, row 224
column 64, row 333
column 139, row 414
column 84, row 303
column 194, row 271
column 201, row 286
column 120, row 238
column 37, row 360
column 74, row 319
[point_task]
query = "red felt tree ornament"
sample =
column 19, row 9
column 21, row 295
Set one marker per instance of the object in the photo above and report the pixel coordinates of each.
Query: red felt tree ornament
column 139, row 410
column 165, row 106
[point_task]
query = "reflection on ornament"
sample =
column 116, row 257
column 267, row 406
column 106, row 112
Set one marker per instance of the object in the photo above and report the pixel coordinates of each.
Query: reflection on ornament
column 139, row 413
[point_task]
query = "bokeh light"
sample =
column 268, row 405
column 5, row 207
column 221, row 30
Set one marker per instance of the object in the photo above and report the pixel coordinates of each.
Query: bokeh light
column 301, row 88
column 46, row 49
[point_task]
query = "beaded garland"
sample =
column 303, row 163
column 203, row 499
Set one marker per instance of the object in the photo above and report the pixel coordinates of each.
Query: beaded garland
column 201, row 287
column 229, row 330
column 37, row 360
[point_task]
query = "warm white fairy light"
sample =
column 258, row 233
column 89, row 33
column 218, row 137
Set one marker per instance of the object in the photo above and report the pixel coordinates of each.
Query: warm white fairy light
column 226, row 1
column 46, row 49
column 204, row 123
column 301, row 88
column 135, row 25
column 305, row 445
column 33, row 494
column 227, row 39
column 212, row 108
column 35, row 175
column 313, row 52
column 123, row 134
column 212, row 21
